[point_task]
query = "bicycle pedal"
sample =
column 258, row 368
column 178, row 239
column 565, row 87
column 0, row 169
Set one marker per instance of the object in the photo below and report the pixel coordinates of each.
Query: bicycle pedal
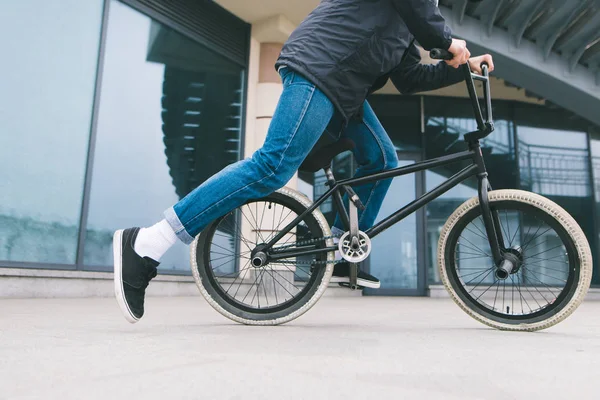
column 348, row 286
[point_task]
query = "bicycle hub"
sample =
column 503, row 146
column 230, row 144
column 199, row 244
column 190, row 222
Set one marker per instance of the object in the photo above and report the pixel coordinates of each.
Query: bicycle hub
column 511, row 263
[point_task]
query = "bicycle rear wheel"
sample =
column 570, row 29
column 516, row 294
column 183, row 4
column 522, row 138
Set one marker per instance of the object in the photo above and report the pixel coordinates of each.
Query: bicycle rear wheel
column 553, row 268
column 277, row 291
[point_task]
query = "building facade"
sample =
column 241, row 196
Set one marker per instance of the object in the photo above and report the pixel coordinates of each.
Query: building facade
column 113, row 110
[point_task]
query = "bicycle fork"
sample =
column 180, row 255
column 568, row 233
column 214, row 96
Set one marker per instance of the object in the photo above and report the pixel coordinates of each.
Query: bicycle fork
column 505, row 264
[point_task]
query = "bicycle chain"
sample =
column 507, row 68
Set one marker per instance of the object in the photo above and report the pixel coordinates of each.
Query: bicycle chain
column 309, row 242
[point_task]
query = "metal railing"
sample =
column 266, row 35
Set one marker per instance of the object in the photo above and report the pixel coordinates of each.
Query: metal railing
column 555, row 171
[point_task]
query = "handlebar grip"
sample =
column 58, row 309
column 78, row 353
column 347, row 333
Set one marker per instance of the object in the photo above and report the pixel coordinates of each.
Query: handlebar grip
column 440, row 54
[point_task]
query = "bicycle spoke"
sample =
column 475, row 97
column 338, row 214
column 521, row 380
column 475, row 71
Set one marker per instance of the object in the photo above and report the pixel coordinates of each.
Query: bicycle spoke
column 220, row 265
column 545, row 267
column 230, row 252
column 560, row 245
column 517, row 230
column 522, row 297
column 512, row 292
column 472, row 258
column 235, row 295
column 473, row 273
column 483, row 279
column 503, row 293
column 476, row 234
column 553, row 259
column 550, row 288
column 502, row 227
column 477, row 227
column 535, row 237
column 474, row 249
column 485, row 291
column 238, row 231
column 496, row 296
column 274, row 287
column 232, row 273
column 533, row 297
column 221, row 247
column 279, row 283
column 307, row 270
column 540, row 293
column 255, row 280
column 537, row 245
column 285, row 278
column 470, row 254
column 254, row 228
column 261, row 274
column 230, row 257
column 281, row 220
column 258, row 226
column 525, row 244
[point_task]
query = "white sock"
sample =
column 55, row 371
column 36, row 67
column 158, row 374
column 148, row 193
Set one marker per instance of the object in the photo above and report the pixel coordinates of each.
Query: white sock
column 154, row 242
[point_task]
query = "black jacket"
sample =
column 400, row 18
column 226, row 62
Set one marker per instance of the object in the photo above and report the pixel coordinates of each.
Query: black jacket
column 412, row 77
column 349, row 48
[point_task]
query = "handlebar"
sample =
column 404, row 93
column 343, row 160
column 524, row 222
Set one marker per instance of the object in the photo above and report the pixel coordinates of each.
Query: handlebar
column 441, row 54
column 485, row 127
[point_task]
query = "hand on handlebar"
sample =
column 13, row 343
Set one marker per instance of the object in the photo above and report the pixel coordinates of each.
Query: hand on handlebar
column 460, row 51
column 475, row 63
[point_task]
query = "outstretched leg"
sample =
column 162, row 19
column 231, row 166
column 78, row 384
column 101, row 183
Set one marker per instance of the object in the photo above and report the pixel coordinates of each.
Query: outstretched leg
column 301, row 116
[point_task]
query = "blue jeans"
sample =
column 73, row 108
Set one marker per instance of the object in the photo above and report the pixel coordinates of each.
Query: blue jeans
column 301, row 117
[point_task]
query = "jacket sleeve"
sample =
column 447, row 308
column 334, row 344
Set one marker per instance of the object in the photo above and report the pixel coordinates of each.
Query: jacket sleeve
column 425, row 22
column 411, row 76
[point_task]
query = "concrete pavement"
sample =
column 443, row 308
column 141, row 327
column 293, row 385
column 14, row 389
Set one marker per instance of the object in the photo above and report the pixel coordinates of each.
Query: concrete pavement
column 345, row 347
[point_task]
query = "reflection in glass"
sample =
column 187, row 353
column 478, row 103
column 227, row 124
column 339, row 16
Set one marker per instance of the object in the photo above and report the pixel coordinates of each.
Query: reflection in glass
column 48, row 72
column 554, row 162
column 170, row 117
column 394, row 254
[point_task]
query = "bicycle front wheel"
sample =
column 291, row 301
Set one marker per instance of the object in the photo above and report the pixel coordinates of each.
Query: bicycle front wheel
column 550, row 278
column 273, row 292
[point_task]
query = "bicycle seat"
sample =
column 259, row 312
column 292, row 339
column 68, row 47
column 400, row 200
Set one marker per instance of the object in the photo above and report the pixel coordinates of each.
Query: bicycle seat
column 321, row 158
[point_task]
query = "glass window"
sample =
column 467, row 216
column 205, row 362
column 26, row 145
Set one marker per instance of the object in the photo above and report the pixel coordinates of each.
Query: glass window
column 170, row 117
column 48, row 74
column 394, row 256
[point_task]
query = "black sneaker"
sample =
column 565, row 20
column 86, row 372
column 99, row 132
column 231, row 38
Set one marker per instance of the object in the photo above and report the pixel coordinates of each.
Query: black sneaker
column 341, row 274
column 132, row 274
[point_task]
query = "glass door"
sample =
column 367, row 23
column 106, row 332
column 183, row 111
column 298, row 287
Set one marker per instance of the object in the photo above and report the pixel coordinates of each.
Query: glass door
column 397, row 257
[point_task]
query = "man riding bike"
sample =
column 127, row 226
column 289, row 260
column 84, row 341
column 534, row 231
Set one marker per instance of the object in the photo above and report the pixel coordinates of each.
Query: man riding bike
column 342, row 52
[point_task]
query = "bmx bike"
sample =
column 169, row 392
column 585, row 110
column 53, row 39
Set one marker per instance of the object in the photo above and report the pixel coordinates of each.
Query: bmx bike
column 511, row 259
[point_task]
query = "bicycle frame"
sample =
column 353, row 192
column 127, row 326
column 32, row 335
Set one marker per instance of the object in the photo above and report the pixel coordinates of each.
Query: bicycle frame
column 476, row 168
